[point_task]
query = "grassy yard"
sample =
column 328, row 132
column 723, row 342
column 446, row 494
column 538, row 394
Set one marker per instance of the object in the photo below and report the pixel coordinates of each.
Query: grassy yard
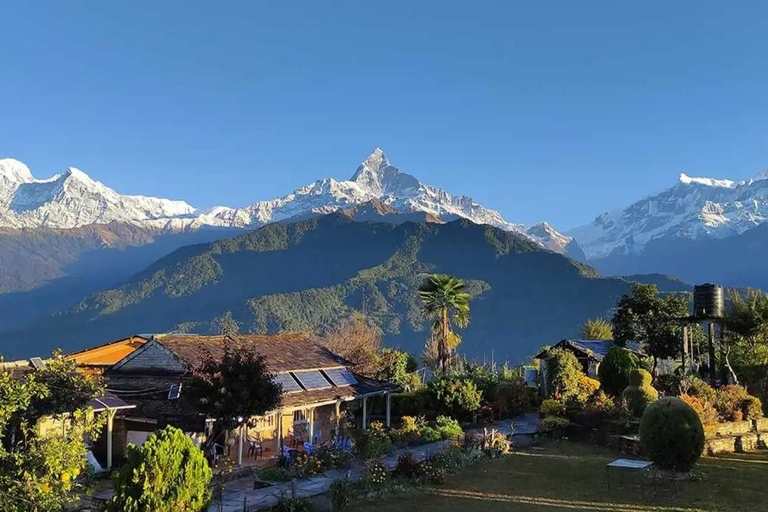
column 571, row 476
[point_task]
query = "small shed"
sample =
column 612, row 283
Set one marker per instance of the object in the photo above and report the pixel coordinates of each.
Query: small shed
column 590, row 353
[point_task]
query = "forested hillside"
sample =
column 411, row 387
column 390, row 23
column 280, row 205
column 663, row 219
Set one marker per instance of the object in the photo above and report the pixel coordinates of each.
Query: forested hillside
column 309, row 275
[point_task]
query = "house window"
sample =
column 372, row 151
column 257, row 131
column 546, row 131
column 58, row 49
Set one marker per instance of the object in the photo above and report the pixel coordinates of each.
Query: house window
column 299, row 417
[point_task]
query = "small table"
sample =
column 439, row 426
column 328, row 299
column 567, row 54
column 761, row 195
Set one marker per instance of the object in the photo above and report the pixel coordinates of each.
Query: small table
column 626, row 465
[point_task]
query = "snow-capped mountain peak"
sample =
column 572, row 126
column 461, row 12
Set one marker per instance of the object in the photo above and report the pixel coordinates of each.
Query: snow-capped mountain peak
column 707, row 182
column 379, row 178
column 694, row 208
column 72, row 199
column 12, row 170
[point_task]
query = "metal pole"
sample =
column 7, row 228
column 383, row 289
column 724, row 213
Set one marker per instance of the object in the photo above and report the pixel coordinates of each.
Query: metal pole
column 110, row 421
column 712, row 368
column 389, row 409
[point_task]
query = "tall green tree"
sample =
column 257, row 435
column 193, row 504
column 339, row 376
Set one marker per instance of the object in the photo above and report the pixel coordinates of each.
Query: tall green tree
column 233, row 388
column 596, row 329
column 445, row 301
column 167, row 473
column 652, row 320
column 39, row 467
column 747, row 316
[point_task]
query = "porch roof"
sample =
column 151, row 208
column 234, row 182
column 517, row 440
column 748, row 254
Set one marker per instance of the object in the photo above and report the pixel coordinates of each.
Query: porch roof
column 149, row 394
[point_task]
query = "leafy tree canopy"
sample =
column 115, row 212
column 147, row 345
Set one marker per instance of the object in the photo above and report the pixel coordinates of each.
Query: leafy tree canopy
column 651, row 320
column 563, row 373
column 39, row 467
column 234, row 388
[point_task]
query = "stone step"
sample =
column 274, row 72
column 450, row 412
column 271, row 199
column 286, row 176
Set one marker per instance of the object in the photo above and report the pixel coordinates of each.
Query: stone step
column 731, row 428
column 738, row 443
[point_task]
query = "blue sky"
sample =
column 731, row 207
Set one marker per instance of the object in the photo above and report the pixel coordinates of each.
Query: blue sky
column 551, row 111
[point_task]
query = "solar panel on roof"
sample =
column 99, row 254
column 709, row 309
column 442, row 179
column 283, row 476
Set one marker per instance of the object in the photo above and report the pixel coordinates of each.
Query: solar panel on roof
column 174, row 392
column 341, row 376
column 312, row 379
column 289, row 383
column 37, row 363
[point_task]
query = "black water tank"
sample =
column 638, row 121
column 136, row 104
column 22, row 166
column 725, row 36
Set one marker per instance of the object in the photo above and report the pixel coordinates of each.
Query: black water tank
column 708, row 301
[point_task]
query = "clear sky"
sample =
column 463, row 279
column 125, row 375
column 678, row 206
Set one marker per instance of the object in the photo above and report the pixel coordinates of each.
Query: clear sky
column 551, row 111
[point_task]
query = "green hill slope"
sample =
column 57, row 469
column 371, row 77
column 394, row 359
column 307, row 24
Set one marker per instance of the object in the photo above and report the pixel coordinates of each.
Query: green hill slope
column 310, row 274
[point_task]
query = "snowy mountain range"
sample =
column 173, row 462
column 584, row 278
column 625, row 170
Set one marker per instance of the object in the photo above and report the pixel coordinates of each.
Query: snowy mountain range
column 72, row 199
column 693, row 209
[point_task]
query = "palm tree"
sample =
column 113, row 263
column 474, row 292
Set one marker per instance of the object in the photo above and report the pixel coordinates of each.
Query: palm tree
column 597, row 329
column 444, row 301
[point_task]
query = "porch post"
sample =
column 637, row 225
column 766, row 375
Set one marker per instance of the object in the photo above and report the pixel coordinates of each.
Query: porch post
column 279, row 436
column 338, row 418
column 240, row 445
column 110, row 420
column 389, row 408
column 365, row 412
column 311, row 420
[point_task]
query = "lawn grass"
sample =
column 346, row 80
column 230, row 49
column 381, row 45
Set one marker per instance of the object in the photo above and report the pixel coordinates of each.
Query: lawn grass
column 572, row 476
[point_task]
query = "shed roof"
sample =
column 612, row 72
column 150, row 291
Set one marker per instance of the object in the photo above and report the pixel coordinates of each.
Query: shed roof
column 595, row 349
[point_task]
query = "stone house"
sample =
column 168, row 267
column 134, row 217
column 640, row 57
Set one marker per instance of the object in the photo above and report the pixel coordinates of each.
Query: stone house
column 318, row 386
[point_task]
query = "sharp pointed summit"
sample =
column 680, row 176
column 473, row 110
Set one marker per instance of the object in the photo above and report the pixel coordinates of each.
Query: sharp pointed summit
column 72, row 199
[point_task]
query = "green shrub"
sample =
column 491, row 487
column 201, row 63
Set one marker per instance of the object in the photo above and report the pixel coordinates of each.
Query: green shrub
column 671, row 434
column 615, row 369
column 670, row 384
column 455, row 396
column 374, row 441
column 695, row 386
column 513, row 397
column 728, row 402
column 334, row 458
column 408, row 467
column 430, row 435
column 551, row 407
column 555, row 424
column 275, row 474
column 448, row 427
column 286, row 504
column 342, row 492
column 432, row 470
column 639, row 393
column 734, row 403
column 563, row 373
column 706, row 411
column 640, row 378
column 752, row 407
column 375, row 475
column 167, row 473
column 600, row 404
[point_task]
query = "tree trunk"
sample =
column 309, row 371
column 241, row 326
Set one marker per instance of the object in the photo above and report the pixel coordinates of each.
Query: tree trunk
column 443, row 349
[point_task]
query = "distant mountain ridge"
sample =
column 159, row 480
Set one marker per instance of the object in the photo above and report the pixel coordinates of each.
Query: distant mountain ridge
column 694, row 208
column 701, row 229
column 72, row 199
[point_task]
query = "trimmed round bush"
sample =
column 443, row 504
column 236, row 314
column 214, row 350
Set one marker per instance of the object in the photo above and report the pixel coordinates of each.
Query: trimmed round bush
column 615, row 369
column 639, row 393
column 671, row 434
column 640, row 378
